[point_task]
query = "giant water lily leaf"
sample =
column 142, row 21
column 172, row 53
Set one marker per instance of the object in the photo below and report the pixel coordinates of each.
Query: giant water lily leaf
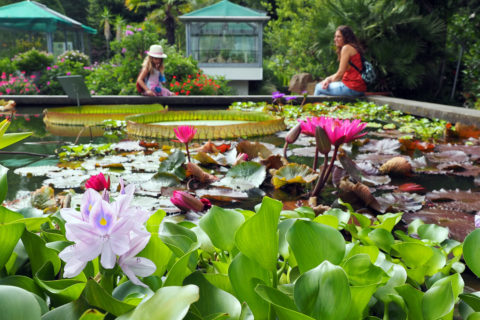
column 384, row 146
column 244, row 176
column 212, row 299
column 253, row 149
column 323, row 292
column 293, row 173
column 312, row 243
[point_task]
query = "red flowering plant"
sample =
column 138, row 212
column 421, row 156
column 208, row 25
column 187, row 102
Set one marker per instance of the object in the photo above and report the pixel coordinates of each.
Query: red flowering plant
column 197, row 84
column 18, row 85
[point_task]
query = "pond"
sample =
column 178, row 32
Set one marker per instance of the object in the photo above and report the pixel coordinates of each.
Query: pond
column 389, row 222
column 448, row 176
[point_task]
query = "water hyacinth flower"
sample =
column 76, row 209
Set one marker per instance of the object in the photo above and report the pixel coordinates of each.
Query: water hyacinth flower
column 109, row 230
column 290, row 98
column 185, row 134
column 128, row 33
column 98, row 182
column 186, row 202
column 477, row 220
column 124, row 50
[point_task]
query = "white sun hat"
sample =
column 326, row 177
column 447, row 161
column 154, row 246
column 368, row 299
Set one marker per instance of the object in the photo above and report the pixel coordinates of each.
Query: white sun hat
column 156, row 51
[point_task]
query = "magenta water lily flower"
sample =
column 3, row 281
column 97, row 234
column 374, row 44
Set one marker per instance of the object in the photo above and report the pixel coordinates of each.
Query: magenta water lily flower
column 308, row 125
column 185, row 134
column 98, row 182
column 186, row 202
column 343, row 131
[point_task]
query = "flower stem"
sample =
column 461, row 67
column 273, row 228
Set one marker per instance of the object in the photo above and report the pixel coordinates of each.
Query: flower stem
column 315, row 159
column 285, row 150
column 188, row 152
column 323, row 178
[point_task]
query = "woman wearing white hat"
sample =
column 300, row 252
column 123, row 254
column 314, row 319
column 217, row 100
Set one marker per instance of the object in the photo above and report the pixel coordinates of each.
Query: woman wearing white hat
column 151, row 78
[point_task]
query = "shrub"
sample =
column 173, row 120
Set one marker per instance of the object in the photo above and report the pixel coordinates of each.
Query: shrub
column 7, row 66
column 32, row 61
column 74, row 56
column 21, row 85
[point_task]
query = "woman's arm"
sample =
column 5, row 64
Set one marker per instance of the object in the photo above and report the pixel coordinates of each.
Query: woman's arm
column 345, row 54
column 142, row 75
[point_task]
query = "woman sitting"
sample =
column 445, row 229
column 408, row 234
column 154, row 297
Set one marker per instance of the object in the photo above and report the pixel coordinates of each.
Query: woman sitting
column 346, row 81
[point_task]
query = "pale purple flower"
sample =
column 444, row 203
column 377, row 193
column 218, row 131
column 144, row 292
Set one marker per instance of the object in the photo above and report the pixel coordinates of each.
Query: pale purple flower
column 128, row 32
column 139, row 29
column 477, row 220
column 129, row 26
column 134, row 266
column 290, row 98
column 124, row 50
column 69, row 73
column 277, row 95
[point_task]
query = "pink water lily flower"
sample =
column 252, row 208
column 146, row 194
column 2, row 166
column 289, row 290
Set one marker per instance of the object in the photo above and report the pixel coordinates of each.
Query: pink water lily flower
column 185, row 134
column 98, row 182
column 343, row 131
column 308, row 125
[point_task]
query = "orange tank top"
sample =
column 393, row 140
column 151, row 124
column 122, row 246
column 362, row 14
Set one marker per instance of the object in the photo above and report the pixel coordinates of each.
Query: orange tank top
column 352, row 78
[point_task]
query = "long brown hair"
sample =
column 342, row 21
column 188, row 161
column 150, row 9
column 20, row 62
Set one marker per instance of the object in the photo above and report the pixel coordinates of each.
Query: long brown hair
column 349, row 38
column 148, row 64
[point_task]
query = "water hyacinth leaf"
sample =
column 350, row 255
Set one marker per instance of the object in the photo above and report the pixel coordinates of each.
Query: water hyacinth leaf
column 9, row 236
column 261, row 228
column 285, row 308
column 23, row 282
column 413, row 299
column 92, row 314
column 60, row 291
column 69, row 311
column 220, row 225
column 283, row 227
column 19, row 304
column 472, row 299
column 355, row 249
column 179, row 239
column 7, row 215
column 388, row 221
column 470, row 251
column 362, row 272
column 433, row 232
column 180, row 269
column 245, row 274
column 98, row 297
column 39, row 254
column 342, row 216
column 362, row 220
column 312, row 243
column 11, row 138
column 382, row 239
column 438, row 301
column 436, row 262
column 3, row 183
column 212, row 299
column 244, row 176
column 206, row 244
column 413, row 254
column 167, row 303
column 293, row 173
column 413, row 226
column 156, row 250
column 220, row 280
column 327, row 220
column 323, row 292
column 131, row 293
column 361, row 295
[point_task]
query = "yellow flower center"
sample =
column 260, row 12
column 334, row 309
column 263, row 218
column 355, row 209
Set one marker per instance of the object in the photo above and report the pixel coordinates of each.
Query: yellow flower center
column 89, row 208
column 103, row 222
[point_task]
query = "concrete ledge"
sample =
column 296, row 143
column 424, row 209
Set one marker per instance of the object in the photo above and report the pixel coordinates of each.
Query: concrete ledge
column 418, row 108
column 430, row 110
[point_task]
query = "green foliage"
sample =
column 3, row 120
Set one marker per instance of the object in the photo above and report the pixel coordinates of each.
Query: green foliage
column 32, row 60
column 7, row 66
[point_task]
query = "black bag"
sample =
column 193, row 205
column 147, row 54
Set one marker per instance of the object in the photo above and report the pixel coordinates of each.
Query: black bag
column 368, row 73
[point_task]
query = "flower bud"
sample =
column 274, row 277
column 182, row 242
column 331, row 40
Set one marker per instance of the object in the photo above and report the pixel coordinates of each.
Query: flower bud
column 186, row 202
column 293, row 134
column 322, row 140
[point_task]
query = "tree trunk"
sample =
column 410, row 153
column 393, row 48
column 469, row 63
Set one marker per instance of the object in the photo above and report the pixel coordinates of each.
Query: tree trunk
column 170, row 25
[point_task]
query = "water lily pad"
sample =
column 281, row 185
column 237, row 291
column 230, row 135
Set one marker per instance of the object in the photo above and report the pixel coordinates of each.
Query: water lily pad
column 293, row 173
column 128, row 146
column 304, row 152
column 384, row 146
column 401, row 201
column 448, row 156
column 253, row 149
column 245, row 176
column 36, row 171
